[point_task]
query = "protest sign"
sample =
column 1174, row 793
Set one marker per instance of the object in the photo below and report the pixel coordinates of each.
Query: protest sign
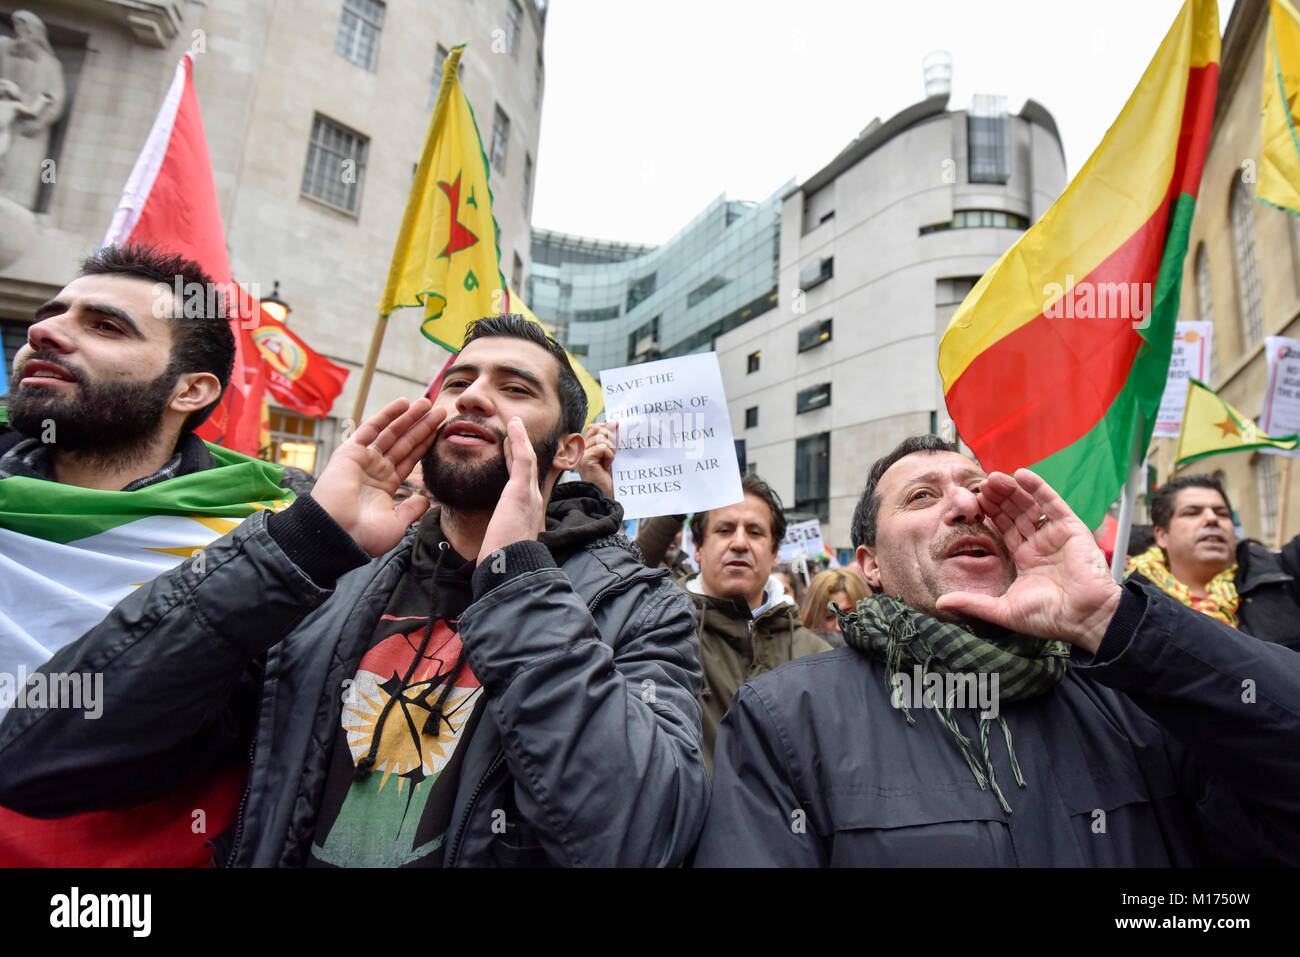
column 1281, row 415
column 1191, row 358
column 675, row 451
column 802, row 538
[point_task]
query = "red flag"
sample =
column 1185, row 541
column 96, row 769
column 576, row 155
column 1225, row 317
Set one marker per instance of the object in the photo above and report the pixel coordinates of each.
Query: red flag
column 170, row 199
column 296, row 376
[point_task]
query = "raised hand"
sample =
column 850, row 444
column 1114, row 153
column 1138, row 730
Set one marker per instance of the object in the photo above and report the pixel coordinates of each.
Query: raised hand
column 1062, row 588
column 519, row 514
column 597, row 463
column 357, row 484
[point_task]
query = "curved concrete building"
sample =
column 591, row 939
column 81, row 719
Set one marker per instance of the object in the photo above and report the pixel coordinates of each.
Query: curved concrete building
column 878, row 248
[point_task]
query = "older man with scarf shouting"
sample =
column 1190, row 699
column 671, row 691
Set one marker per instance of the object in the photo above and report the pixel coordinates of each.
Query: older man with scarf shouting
column 1075, row 721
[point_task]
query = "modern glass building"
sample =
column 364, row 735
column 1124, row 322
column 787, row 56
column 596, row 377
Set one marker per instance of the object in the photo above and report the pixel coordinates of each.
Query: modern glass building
column 718, row 272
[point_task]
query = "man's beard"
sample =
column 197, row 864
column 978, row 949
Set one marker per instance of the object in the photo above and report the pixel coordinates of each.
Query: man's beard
column 110, row 421
column 477, row 487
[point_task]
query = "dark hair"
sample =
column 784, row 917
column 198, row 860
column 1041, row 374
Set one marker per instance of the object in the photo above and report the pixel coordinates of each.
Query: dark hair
column 1162, row 499
column 863, row 528
column 201, row 337
column 573, row 401
column 750, row 485
column 1140, row 538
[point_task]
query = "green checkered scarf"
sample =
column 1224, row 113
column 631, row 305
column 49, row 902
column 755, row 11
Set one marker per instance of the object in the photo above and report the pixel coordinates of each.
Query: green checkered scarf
column 890, row 631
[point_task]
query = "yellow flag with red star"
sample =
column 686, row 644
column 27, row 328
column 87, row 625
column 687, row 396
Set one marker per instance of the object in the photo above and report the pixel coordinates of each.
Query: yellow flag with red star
column 1279, row 159
column 446, row 260
column 1212, row 427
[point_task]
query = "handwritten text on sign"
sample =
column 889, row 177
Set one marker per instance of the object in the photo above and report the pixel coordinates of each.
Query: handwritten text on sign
column 1281, row 415
column 1190, row 358
column 675, row 452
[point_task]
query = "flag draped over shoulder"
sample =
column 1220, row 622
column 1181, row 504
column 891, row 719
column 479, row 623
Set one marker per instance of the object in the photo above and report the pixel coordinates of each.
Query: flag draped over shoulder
column 170, row 199
column 1278, row 181
column 446, row 258
column 1212, row 427
column 69, row 554
column 1057, row 359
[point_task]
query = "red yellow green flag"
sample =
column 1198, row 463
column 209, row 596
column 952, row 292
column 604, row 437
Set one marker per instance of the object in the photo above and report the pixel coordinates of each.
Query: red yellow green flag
column 1057, row 359
column 1279, row 159
column 446, row 259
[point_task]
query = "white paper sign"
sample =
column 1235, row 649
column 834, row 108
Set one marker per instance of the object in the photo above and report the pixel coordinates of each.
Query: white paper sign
column 1281, row 415
column 802, row 538
column 675, row 451
column 1190, row 359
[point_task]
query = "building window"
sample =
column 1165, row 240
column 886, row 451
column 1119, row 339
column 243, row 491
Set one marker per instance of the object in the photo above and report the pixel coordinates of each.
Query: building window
column 514, row 18
column 751, row 468
column 951, row 290
column 979, row 219
column 500, row 140
column 1243, row 242
column 752, row 365
column 639, row 290
column 818, row 397
column 643, row 344
column 293, row 441
column 704, row 291
column 358, row 36
column 517, row 273
column 596, row 315
column 810, row 337
column 336, row 165
column 988, row 140
column 751, row 417
column 528, row 179
column 539, row 81
column 1266, row 482
column 817, row 273
column 1205, row 306
column 439, row 60
column 812, row 475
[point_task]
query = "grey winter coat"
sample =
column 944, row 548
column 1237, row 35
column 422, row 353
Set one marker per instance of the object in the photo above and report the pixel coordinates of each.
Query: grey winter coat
column 590, row 672
column 1178, row 743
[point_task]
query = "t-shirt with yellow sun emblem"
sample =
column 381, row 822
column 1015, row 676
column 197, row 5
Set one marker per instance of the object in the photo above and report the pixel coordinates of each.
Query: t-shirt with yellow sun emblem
column 397, row 815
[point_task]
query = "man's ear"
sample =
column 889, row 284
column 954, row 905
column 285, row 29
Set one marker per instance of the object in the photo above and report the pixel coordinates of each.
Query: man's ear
column 194, row 391
column 569, row 453
column 865, row 558
column 1161, row 536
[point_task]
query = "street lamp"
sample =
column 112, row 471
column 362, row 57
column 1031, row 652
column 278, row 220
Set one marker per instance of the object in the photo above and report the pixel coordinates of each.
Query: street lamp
column 277, row 307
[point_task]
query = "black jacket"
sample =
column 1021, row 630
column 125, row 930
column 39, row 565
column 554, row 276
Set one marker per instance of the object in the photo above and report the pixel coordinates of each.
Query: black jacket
column 1177, row 744
column 590, row 742
column 1269, row 586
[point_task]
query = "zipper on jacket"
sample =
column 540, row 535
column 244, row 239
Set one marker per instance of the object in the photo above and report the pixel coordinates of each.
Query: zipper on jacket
column 621, row 585
column 248, row 785
column 469, row 805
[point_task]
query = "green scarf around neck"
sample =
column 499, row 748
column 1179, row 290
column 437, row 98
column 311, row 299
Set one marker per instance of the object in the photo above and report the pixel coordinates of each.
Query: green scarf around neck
column 900, row 637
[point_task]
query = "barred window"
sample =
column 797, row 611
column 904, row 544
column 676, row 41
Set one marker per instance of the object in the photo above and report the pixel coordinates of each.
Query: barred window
column 500, row 139
column 1205, row 306
column 514, row 18
column 1266, row 482
column 1243, row 242
column 358, row 36
column 336, row 165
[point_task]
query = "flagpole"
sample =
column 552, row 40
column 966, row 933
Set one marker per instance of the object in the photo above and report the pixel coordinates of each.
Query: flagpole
column 1285, row 487
column 1128, row 502
column 368, row 371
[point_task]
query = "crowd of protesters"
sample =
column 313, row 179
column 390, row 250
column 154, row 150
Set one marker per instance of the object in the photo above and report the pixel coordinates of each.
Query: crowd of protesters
column 443, row 651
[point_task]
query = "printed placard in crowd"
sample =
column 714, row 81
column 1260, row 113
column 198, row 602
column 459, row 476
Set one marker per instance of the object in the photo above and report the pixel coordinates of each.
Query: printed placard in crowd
column 1281, row 415
column 675, row 449
column 1190, row 359
column 802, row 538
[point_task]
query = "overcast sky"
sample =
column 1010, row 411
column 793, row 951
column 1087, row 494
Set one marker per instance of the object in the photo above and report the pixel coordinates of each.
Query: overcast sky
column 653, row 109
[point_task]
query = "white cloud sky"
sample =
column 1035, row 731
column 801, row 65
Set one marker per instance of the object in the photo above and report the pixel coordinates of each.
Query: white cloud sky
column 653, row 109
